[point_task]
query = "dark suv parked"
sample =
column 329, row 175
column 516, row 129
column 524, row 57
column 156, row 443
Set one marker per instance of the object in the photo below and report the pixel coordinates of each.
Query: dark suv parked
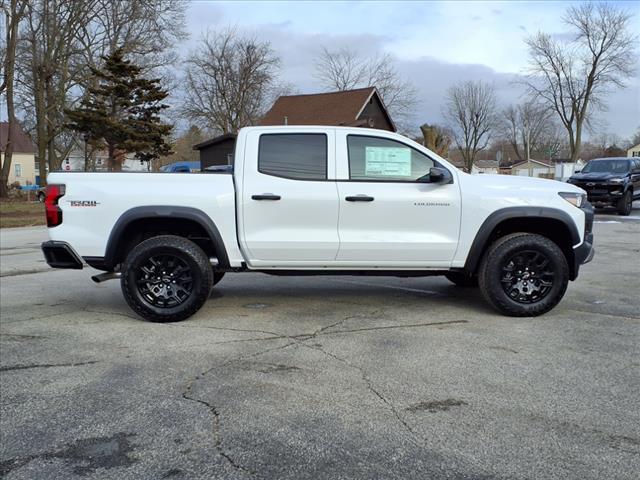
column 610, row 182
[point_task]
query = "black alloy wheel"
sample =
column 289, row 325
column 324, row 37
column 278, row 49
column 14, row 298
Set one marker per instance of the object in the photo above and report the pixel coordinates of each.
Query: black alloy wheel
column 527, row 277
column 165, row 281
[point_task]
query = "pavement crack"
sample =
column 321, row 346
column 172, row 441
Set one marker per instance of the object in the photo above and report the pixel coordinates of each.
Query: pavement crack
column 217, row 435
column 372, row 388
column 45, row 365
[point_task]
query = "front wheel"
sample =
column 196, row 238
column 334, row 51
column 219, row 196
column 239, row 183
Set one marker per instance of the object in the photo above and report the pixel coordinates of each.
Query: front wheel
column 625, row 204
column 166, row 278
column 524, row 275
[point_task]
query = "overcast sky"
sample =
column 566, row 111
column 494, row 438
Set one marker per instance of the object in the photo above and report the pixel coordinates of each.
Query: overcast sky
column 435, row 44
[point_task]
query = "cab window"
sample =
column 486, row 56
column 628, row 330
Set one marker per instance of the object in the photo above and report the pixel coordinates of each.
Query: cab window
column 380, row 159
column 299, row 156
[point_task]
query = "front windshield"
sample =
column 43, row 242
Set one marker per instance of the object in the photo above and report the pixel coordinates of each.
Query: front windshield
column 607, row 166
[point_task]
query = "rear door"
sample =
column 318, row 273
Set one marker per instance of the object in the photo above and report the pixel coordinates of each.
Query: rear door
column 289, row 199
column 387, row 217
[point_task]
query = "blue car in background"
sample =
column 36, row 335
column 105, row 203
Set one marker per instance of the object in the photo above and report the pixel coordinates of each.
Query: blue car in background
column 181, row 167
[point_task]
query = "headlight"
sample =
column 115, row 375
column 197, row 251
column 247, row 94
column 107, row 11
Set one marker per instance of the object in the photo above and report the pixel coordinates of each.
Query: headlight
column 616, row 181
column 575, row 199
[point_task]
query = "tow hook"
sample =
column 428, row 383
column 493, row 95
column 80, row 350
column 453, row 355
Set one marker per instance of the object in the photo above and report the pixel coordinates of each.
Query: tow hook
column 103, row 277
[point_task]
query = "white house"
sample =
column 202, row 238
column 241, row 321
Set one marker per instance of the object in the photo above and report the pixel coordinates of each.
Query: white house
column 634, row 151
column 75, row 162
column 533, row 168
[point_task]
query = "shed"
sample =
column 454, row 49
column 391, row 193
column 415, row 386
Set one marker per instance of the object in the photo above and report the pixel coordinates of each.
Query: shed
column 217, row 151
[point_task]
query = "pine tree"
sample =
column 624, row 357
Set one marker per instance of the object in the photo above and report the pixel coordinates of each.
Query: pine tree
column 120, row 111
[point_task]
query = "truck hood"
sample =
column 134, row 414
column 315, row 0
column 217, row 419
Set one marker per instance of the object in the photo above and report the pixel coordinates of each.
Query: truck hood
column 505, row 182
column 596, row 176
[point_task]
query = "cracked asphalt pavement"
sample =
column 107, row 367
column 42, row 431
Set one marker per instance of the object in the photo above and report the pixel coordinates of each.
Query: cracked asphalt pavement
column 320, row 377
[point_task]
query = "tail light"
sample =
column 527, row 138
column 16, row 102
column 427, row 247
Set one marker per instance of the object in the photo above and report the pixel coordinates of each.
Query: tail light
column 54, row 213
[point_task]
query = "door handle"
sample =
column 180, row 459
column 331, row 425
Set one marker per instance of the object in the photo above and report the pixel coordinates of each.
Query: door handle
column 265, row 196
column 359, row 198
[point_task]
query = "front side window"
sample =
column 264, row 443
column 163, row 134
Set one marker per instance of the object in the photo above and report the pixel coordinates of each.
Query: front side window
column 381, row 159
column 299, row 156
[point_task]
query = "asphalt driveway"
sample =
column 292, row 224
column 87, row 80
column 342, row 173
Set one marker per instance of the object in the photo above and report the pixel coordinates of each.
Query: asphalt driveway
column 320, row 377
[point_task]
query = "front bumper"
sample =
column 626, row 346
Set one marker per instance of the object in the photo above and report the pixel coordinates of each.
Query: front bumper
column 61, row 255
column 584, row 252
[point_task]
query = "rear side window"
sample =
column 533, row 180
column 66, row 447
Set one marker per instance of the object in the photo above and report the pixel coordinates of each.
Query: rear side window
column 299, row 156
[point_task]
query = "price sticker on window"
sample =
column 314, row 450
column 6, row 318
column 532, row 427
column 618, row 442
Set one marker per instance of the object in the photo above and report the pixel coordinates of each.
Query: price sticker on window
column 388, row 162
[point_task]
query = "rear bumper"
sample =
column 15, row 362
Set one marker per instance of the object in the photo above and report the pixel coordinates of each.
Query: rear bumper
column 61, row 255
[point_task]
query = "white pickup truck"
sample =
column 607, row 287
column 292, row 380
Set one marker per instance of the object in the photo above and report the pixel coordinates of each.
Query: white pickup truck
column 320, row 200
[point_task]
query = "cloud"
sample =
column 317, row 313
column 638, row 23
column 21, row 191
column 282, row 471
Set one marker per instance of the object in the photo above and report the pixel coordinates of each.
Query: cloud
column 428, row 51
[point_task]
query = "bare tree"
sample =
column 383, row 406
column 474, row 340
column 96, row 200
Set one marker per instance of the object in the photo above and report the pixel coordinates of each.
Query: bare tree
column 530, row 128
column 470, row 109
column 13, row 15
column 62, row 40
column 573, row 77
column 228, row 81
column 345, row 69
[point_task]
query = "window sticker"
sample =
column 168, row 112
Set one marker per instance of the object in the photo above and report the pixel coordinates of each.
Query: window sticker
column 387, row 162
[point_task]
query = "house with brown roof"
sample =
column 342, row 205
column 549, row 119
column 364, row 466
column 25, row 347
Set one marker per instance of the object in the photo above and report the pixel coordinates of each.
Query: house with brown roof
column 23, row 160
column 362, row 107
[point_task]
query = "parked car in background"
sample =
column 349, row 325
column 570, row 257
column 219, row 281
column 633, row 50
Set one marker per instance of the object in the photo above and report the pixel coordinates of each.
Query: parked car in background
column 181, row 167
column 610, row 182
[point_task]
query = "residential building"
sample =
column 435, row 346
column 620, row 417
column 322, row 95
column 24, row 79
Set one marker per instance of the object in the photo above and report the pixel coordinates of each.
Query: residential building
column 362, row 107
column 533, row 168
column 634, row 151
column 75, row 162
column 23, row 160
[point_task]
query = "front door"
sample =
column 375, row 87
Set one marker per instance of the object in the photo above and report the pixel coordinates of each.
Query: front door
column 387, row 218
column 289, row 201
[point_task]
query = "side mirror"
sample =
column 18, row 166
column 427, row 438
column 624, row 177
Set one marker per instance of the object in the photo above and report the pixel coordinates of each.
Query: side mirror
column 439, row 175
column 577, row 171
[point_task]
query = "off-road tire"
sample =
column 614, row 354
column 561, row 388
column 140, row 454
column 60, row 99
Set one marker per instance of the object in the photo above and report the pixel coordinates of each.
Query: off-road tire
column 498, row 255
column 461, row 279
column 188, row 252
column 625, row 204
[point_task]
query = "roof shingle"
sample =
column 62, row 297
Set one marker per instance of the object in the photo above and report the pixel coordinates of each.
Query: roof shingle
column 333, row 108
column 22, row 142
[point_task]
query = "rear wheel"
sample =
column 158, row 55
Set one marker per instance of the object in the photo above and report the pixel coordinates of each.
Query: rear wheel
column 166, row 278
column 524, row 275
column 625, row 203
column 462, row 279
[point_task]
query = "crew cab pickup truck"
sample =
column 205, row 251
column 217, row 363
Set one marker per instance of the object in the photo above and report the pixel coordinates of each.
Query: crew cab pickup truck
column 610, row 182
column 306, row 200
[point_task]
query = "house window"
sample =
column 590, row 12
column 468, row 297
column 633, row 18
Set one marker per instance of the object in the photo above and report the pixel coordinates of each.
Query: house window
column 381, row 159
column 299, row 156
column 18, row 170
column 636, row 153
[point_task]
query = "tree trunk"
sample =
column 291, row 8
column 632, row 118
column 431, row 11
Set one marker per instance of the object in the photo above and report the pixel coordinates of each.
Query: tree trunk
column 12, row 20
column 111, row 160
column 577, row 143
